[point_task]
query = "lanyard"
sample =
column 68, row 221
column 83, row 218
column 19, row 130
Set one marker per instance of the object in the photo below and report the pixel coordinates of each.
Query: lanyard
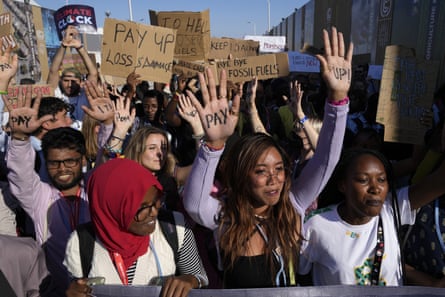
column 278, row 257
column 74, row 206
column 119, row 263
column 379, row 251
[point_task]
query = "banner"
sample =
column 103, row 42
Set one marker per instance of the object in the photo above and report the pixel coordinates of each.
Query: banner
column 192, row 32
column 299, row 62
column 221, row 48
column 128, row 46
column 80, row 16
column 269, row 44
column 320, row 291
column 406, row 90
column 262, row 67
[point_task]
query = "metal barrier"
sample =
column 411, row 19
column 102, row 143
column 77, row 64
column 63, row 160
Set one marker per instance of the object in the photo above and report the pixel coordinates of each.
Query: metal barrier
column 321, row 291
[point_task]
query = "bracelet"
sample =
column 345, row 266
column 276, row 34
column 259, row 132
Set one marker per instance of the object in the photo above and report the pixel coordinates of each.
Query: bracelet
column 80, row 47
column 199, row 136
column 23, row 138
column 118, row 138
column 199, row 281
column 304, row 119
column 3, row 92
column 213, row 148
column 341, row 102
column 109, row 149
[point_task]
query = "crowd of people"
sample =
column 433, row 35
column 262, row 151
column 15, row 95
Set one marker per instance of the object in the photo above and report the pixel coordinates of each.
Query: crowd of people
column 270, row 183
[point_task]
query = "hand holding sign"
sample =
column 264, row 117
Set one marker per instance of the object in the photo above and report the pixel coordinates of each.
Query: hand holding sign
column 71, row 38
column 336, row 67
column 218, row 119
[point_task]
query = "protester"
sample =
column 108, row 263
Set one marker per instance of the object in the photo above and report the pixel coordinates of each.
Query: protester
column 355, row 241
column 258, row 223
column 69, row 86
column 131, row 249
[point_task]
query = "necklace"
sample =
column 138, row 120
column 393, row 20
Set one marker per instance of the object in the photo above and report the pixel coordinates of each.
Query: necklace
column 261, row 218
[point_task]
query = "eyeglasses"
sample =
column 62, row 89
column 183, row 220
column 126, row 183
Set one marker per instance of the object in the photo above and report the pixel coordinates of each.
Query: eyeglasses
column 145, row 210
column 68, row 163
column 265, row 175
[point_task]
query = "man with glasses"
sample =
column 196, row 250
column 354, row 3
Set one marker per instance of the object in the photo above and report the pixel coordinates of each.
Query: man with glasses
column 59, row 206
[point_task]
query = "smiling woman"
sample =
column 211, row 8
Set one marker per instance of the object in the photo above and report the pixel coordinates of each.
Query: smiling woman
column 131, row 248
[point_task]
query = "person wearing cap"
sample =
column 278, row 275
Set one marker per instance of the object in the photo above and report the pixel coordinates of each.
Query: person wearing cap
column 69, row 86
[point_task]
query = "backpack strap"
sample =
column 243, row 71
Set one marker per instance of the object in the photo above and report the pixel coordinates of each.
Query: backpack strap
column 86, row 235
column 168, row 226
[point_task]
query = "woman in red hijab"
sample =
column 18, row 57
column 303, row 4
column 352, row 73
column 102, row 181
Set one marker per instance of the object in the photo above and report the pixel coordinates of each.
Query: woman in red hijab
column 130, row 247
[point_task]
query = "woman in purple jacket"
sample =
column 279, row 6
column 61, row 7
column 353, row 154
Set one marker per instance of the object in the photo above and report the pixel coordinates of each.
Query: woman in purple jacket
column 258, row 221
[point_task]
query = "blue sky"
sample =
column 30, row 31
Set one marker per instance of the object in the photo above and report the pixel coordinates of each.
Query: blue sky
column 228, row 18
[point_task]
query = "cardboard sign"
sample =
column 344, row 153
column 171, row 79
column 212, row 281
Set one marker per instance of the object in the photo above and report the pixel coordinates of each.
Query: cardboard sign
column 262, row 67
column 191, row 69
column 221, row 48
column 406, row 90
column 80, row 16
column 45, row 90
column 192, row 32
column 6, row 34
column 75, row 60
column 299, row 62
column 128, row 46
column 269, row 44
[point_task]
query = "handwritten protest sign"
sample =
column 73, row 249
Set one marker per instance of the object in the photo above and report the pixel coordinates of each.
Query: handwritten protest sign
column 269, row 44
column 6, row 34
column 192, row 32
column 299, row 62
column 190, row 69
column 263, row 67
column 75, row 60
column 129, row 46
column 45, row 90
column 406, row 90
column 220, row 48
column 80, row 16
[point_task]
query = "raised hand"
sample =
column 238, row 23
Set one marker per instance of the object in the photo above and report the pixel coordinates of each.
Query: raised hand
column 123, row 117
column 71, row 38
column 217, row 118
column 335, row 66
column 101, row 107
column 189, row 113
column 296, row 95
column 23, row 118
column 8, row 67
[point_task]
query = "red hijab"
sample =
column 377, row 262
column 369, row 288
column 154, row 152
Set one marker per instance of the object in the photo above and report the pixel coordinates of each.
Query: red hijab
column 115, row 192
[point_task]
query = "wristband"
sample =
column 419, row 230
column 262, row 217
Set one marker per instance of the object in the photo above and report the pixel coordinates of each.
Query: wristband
column 118, row 138
column 199, row 136
column 304, row 119
column 23, row 138
column 199, row 281
column 3, row 92
column 341, row 102
column 80, row 47
column 213, row 148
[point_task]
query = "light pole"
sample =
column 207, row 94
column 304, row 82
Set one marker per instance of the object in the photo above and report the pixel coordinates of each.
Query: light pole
column 268, row 16
column 131, row 10
column 254, row 27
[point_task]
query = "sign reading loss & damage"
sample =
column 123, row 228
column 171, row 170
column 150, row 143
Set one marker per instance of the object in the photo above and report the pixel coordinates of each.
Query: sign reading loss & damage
column 129, row 46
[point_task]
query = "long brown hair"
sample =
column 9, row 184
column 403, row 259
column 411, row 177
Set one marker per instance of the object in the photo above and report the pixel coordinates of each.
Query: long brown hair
column 237, row 221
column 136, row 147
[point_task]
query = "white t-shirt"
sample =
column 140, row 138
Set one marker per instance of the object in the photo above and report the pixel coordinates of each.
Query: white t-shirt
column 343, row 254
